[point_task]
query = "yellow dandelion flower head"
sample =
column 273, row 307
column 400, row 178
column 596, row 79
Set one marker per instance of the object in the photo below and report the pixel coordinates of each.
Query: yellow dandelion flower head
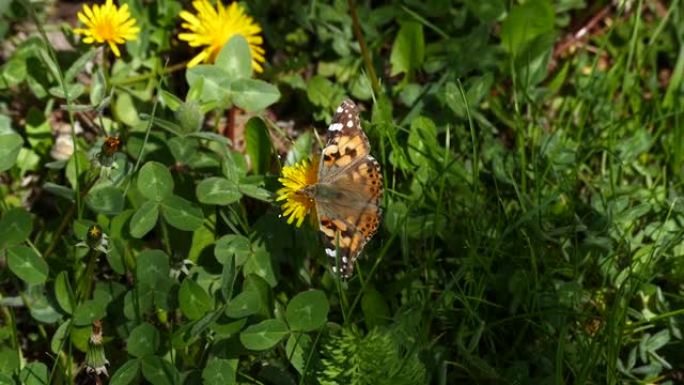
column 295, row 178
column 212, row 28
column 107, row 23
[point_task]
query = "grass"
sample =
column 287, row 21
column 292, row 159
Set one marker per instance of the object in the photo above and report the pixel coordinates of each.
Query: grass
column 533, row 222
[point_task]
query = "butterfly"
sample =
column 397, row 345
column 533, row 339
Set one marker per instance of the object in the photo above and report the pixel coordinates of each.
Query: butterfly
column 348, row 191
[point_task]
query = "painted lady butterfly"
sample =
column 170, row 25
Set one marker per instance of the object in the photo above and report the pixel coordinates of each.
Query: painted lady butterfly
column 348, row 190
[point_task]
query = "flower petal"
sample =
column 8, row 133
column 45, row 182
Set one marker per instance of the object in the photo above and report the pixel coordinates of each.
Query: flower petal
column 107, row 23
column 212, row 26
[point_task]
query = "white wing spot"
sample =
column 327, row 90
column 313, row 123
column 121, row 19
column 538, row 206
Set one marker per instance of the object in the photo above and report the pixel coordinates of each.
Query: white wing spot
column 335, row 127
column 330, row 252
column 334, row 269
column 344, row 259
column 340, row 109
column 350, row 123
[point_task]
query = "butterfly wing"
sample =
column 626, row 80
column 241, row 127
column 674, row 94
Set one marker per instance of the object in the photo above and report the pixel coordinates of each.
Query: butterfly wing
column 345, row 143
column 351, row 215
column 348, row 190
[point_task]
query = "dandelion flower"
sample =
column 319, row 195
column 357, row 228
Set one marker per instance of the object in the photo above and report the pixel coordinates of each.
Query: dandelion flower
column 295, row 178
column 213, row 27
column 107, row 24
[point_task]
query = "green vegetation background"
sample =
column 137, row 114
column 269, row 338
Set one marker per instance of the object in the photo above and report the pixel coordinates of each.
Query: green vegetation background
column 533, row 223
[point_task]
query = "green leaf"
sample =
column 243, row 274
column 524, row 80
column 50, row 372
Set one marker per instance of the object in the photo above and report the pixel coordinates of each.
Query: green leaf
column 159, row 372
column 10, row 144
column 44, row 309
column 26, row 264
column 194, row 301
column 220, row 139
column 258, row 143
column 257, row 284
column 181, row 213
column 73, row 91
column 233, row 166
column 301, row 149
column 244, row 304
column 83, row 166
column 34, row 373
column 106, row 200
column 97, row 88
column 202, row 239
column 89, row 311
column 218, row 371
column 532, row 64
column 235, row 58
column 170, row 100
column 423, row 145
column 183, row 148
column 196, row 89
column 136, row 301
column 14, row 71
column 155, row 181
column 143, row 340
column 6, row 380
column 225, row 330
column 49, row 63
column 117, row 255
column 38, row 130
column 16, row 225
column 264, row 335
column 525, row 23
column 487, row 11
column 144, row 219
column 5, row 124
column 57, row 342
column 59, row 190
column 9, row 360
column 376, row 312
column 322, row 92
column 217, row 191
column 253, row 94
column 63, row 292
column 126, row 373
column 125, row 110
column 204, row 323
column 164, row 124
column 228, row 275
column 152, row 267
column 477, row 89
column 307, row 311
column 297, row 349
column 259, row 263
column 256, row 192
column 215, row 82
column 78, row 64
column 190, row 116
column 408, row 50
column 657, row 341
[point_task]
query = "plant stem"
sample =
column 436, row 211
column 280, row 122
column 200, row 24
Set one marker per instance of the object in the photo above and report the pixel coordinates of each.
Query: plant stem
column 65, row 221
column 85, row 281
column 62, row 83
column 365, row 53
column 134, row 79
column 11, row 323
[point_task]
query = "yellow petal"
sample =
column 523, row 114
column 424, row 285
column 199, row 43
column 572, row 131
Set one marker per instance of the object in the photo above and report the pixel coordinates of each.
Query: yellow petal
column 212, row 26
column 197, row 59
column 115, row 49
